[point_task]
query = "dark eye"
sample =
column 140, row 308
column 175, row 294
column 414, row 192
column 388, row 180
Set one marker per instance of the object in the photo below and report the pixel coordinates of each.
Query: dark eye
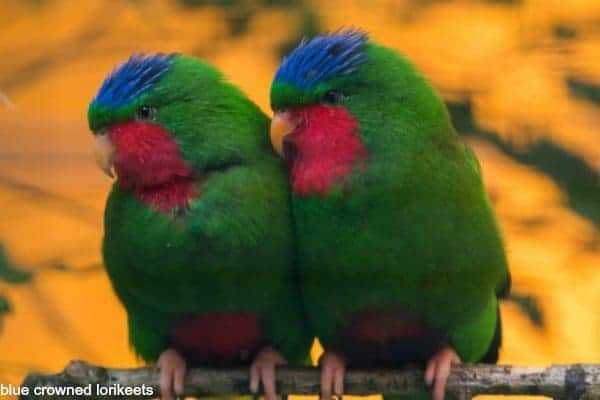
column 333, row 97
column 145, row 113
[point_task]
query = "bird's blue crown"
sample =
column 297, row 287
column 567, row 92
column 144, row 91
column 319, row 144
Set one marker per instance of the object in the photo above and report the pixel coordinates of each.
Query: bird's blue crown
column 323, row 57
column 134, row 77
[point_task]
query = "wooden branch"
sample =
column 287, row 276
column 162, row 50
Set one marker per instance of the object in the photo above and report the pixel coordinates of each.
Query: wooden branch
column 561, row 382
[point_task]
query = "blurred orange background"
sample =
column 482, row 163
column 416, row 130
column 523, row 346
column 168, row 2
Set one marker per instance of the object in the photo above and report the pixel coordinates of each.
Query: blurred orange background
column 521, row 79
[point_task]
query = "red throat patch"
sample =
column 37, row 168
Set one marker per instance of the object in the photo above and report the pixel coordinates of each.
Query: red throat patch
column 323, row 150
column 148, row 162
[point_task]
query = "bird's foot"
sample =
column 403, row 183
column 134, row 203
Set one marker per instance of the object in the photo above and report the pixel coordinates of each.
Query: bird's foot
column 172, row 369
column 333, row 368
column 263, row 370
column 438, row 370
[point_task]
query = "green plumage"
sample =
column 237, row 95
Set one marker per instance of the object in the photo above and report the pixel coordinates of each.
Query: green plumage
column 231, row 249
column 415, row 230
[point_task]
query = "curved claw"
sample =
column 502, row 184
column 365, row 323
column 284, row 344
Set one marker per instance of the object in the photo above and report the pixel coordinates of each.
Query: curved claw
column 263, row 370
column 172, row 368
column 333, row 368
column 438, row 370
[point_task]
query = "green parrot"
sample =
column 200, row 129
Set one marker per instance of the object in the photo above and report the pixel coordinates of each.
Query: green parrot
column 198, row 242
column 399, row 253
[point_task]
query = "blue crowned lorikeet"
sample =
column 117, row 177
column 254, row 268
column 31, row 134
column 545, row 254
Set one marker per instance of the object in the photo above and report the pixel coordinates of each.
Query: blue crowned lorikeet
column 198, row 239
column 400, row 256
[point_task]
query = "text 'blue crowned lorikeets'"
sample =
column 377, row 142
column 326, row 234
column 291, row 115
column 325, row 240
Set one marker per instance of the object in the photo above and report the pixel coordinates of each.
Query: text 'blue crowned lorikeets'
column 198, row 239
column 400, row 256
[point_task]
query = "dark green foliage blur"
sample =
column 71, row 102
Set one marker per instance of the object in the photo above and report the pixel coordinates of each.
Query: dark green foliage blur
column 570, row 172
column 584, row 90
column 9, row 272
column 530, row 308
column 239, row 14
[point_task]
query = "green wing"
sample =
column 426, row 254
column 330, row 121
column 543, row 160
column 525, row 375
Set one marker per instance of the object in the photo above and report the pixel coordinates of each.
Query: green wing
column 230, row 251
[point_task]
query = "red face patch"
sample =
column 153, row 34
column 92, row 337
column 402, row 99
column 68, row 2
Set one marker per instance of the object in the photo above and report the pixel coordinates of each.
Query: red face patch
column 148, row 161
column 323, row 150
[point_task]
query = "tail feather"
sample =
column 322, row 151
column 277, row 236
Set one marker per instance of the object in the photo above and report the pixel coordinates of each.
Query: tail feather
column 491, row 357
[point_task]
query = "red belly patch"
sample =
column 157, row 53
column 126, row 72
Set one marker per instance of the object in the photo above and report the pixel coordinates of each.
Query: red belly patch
column 388, row 338
column 219, row 338
column 380, row 326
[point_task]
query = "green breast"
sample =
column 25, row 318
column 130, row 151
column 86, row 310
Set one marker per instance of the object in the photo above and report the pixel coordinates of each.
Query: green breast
column 413, row 240
column 157, row 261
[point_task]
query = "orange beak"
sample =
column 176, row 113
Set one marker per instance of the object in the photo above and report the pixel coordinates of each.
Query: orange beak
column 283, row 124
column 104, row 152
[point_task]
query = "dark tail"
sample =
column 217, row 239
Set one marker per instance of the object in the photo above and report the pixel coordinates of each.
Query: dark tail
column 491, row 357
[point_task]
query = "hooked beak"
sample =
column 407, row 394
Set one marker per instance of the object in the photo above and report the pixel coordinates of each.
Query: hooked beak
column 283, row 124
column 104, row 152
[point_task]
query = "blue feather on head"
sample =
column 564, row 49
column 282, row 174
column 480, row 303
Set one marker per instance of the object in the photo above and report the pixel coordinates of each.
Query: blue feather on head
column 131, row 79
column 323, row 57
